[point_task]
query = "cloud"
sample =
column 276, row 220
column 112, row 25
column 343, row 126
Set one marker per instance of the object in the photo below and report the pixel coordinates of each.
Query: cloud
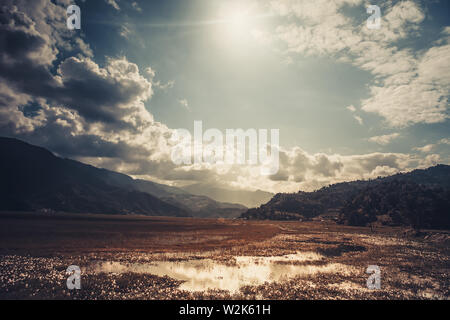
column 410, row 87
column 384, row 139
column 426, row 148
column 351, row 108
column 418, row 94
column 157, row 84
column 185, row 104
column 113, row 3
column 125, row 31
column 81, row 109
column 136, row 6
column 305, row 171
column 359, row 119
column 429, row 147
column 113, row 94
column 53, row 93
column 28, row 48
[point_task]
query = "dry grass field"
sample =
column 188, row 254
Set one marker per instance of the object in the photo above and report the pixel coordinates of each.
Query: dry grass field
column 136, row 257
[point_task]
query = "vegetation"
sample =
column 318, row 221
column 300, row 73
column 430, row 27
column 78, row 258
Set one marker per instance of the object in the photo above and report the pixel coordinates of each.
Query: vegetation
column 420, row 199
column 399, row 202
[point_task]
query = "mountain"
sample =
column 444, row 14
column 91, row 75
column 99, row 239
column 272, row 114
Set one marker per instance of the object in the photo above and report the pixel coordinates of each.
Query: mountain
column 32, row 178
column 204, row 207
column 349, row 202
column 301, row 205
column 199, row 206
column 437, row 176
column 399, row 202
column 243, row 197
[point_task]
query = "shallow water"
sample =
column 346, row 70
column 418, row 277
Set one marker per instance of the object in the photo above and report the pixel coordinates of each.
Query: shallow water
column 204, row 274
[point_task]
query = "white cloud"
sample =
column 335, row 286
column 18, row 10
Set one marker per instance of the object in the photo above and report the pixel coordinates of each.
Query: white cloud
column 351, row 108
column 412, row 87
column 164, row 86
column 157, row 84
column 429, row 147
column 185, row 104
column 359, row 119
column 426, row 148
column 384, row 139
column 305, row 171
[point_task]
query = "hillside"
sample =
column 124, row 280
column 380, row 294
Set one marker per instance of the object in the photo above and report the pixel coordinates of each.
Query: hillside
column 32, row 178
column 197, row 205
column 399, row 202
column 430, row 185
column 301, row 205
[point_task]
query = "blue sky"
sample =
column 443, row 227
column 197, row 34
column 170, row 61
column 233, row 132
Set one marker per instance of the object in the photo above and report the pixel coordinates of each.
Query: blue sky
column 349, row 102
column 233, row 83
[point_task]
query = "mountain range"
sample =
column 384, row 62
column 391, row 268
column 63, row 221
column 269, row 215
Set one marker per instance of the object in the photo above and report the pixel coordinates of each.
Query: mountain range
column 244, row 197
column 32, row 178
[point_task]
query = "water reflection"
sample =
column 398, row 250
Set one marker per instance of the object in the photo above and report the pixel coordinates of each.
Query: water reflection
column 204, row 274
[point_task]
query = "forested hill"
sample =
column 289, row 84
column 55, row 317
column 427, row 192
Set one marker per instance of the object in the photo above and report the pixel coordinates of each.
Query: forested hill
column 399, row 202
column 382, row 200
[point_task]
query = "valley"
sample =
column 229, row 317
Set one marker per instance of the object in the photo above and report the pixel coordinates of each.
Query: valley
column 138, row 257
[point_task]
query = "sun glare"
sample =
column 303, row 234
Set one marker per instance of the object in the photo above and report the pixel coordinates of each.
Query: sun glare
column 236, row 17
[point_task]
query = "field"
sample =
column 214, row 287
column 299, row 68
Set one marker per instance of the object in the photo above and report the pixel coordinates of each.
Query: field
column 136, row 257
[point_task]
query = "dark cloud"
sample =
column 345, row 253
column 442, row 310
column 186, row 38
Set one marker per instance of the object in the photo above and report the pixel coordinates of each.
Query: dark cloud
column 97, row 94
column 379, row 159
column 70, row 105
column 281, row 175
column 101, row 96
column 326, row 167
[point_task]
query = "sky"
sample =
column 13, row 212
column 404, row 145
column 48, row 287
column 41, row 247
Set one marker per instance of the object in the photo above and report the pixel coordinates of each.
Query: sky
column 349, row 102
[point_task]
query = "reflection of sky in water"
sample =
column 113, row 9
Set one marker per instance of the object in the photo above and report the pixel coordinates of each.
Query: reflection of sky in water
column 204, row 274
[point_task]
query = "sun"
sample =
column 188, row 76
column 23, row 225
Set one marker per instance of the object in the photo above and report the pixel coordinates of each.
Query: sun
column 237, row 21
column 236, row 16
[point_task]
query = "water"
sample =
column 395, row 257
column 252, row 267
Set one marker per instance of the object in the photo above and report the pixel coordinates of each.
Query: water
column 204, row 274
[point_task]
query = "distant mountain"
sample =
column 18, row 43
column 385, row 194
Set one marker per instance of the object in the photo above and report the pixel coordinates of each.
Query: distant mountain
column 336, row 200
column 243, row 197
column 198, row 206
column 204, row 207
column 32, row 178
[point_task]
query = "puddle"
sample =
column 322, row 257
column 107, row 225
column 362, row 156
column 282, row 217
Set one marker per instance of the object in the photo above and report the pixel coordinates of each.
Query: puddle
column 204, row 274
